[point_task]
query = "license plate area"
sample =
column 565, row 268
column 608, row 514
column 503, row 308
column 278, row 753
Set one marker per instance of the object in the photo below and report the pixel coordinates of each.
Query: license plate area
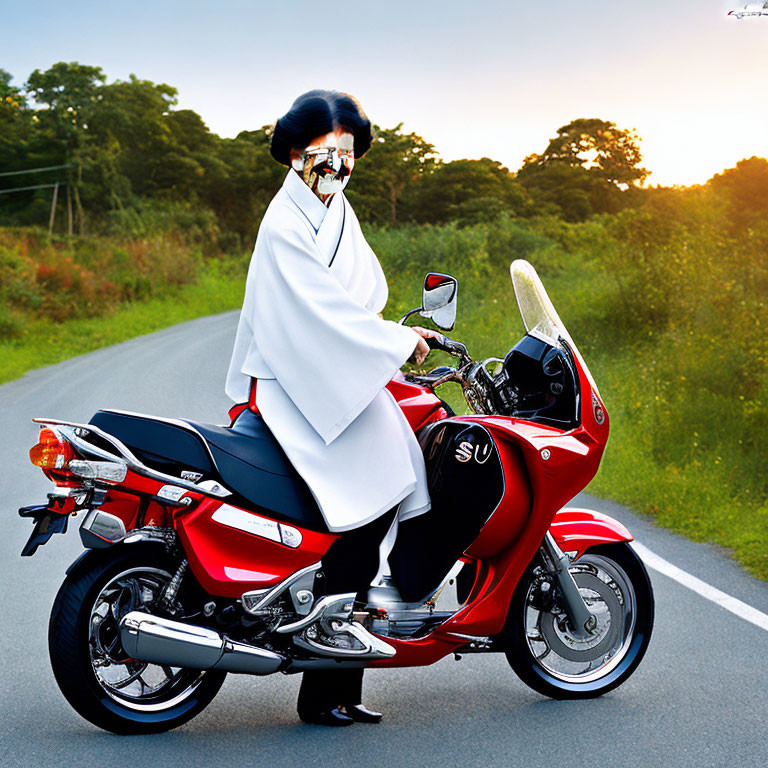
column 52, row 517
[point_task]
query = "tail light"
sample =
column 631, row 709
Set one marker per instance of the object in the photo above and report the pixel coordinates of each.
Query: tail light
column 51, row 452
column 55, row 455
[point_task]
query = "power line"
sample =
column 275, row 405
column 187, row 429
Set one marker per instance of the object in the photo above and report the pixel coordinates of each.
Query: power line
column 35, row 170
column 23, row 189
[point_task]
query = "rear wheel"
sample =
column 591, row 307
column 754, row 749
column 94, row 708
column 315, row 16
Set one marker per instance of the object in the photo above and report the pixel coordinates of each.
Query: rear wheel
column 549, row 657
column 96, row 676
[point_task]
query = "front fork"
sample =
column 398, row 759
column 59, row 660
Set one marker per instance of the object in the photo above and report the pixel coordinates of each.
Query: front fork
column 582, row 621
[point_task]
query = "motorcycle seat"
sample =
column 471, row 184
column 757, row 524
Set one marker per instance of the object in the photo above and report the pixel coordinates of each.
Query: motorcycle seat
column 246, row 458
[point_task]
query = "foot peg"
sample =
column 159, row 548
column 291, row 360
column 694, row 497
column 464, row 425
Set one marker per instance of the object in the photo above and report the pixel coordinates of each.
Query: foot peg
column 328, row 630
column 330, row 606
column 343, row 640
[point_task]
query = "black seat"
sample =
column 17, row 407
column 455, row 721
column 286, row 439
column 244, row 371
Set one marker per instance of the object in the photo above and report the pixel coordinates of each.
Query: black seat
column 246, row 458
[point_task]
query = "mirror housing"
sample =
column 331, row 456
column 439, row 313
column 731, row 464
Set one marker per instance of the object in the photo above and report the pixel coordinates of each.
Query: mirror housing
column 439, row 300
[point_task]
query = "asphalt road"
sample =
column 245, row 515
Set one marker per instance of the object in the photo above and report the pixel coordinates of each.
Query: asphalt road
column 700, row 697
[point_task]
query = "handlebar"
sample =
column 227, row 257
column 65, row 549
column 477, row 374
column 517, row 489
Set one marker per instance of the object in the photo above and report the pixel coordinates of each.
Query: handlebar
column 444, row 344
column 472, row 376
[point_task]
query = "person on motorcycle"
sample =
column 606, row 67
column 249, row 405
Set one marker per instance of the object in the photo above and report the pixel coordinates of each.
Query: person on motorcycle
column 313, row 355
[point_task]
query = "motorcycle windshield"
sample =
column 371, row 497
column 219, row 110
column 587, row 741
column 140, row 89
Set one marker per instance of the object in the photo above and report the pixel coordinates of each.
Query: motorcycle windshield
column 539, row 315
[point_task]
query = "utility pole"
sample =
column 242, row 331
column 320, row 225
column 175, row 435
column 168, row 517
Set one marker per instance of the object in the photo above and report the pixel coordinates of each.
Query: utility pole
column 53, row 207
column 55, row 186
column 69, row 210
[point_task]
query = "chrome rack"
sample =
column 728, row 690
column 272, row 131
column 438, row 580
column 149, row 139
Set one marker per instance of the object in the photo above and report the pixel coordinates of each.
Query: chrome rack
column 75, row 434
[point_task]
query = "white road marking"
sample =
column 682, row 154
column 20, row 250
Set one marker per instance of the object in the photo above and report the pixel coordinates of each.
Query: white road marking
column 732, row 604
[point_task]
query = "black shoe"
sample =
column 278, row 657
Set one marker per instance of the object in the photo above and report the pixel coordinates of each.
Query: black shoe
column 326, row 717
column 360, row 714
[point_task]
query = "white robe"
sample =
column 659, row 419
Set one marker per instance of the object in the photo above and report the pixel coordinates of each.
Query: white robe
column 309, row 331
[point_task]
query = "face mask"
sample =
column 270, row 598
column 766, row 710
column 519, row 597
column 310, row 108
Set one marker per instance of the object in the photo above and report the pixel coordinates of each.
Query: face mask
column 326, row 168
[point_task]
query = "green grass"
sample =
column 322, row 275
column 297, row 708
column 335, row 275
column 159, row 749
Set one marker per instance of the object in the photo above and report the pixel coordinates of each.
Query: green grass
column 705, row 497
column 45, row 342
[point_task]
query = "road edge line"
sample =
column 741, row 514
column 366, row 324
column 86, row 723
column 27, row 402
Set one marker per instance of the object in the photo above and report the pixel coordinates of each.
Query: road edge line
column 724, row 600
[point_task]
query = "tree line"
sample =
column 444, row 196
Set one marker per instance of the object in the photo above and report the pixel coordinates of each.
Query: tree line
column 124, row 146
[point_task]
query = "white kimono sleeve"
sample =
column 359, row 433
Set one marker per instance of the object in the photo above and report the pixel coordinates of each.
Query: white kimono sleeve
column 329, row 353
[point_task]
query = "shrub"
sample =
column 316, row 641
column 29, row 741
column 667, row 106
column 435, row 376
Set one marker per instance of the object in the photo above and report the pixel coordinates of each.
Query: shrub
column 60, row 279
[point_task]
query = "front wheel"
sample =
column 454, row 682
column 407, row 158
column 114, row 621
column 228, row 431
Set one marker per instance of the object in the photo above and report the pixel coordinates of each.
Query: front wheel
column 549, row 657
column 99, row 680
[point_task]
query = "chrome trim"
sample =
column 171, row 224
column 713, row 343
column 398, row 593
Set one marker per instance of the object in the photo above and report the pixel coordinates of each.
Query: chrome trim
column 261, row 598
column 475, row 392
column 171, row 492
column 158, row 640
column 328, row 607
column 410, row 312
column 490, row 360
column 256, row 525
column 250, row 522
column 373, row 647
column 468, row 638
column 212, row 486
column 250, row 601
column 150, row 533
column 582, row 620
column 290, row 536
column 70, row 434
column 429, row 379
column 59, row 491
column 94, row 539
column 100, row 529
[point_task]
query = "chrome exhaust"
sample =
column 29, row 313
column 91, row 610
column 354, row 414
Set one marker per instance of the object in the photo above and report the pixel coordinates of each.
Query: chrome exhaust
column 163, row 641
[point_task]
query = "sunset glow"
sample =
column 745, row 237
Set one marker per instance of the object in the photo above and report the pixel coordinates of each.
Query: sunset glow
column 496, row 82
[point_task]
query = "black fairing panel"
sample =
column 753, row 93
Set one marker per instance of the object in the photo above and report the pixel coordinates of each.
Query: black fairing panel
column 466, row 484
column 246, row 458
column 539, row 382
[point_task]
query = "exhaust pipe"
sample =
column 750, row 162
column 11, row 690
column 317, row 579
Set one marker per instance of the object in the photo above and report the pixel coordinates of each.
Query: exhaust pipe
column 163, row 641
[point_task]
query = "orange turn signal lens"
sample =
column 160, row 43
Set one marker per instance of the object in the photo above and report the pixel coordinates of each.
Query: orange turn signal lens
column 50, row 452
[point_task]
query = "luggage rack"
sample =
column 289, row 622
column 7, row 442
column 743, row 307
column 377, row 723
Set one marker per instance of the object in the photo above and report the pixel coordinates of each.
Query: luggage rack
column 75, row 434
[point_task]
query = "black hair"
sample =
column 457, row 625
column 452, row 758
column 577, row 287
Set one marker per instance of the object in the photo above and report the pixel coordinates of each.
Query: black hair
column 314, row 114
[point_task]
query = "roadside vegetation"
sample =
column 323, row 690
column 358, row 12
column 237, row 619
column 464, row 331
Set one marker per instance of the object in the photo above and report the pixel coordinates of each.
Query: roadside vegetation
column 664, row 290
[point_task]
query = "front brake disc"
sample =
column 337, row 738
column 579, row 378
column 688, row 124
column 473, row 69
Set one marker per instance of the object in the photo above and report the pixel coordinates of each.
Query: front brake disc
column 604, row 605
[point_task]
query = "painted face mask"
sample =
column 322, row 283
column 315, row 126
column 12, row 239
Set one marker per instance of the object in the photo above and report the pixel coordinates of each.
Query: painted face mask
column 326, row 167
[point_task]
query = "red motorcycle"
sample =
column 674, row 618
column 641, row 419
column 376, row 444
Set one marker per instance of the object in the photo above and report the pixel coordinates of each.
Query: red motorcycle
column 202, row 542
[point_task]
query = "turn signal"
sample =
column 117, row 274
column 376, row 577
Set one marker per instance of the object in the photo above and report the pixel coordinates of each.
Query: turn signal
column 51, row 452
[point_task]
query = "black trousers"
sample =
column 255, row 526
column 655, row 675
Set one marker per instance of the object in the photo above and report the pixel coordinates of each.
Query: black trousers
column 353, row 559
column 349, row 565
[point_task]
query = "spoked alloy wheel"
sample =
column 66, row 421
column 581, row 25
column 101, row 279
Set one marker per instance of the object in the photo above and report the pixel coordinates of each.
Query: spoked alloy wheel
column 137, row 685
column 97, row 677
column 555, row 661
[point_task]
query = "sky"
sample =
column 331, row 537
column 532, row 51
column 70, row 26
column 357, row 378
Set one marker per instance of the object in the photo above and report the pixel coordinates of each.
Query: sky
column 476, row 78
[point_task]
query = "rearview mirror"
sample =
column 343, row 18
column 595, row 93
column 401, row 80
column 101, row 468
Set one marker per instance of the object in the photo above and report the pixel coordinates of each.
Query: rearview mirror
column 439, row 300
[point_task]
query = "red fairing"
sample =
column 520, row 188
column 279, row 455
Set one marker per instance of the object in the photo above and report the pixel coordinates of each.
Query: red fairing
column 579, row 529
column 514, row 509
column 228, row 561
column 486, row 614
column 419, row 653
column 420, row 405
column 558, row 464
column 125, row 502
